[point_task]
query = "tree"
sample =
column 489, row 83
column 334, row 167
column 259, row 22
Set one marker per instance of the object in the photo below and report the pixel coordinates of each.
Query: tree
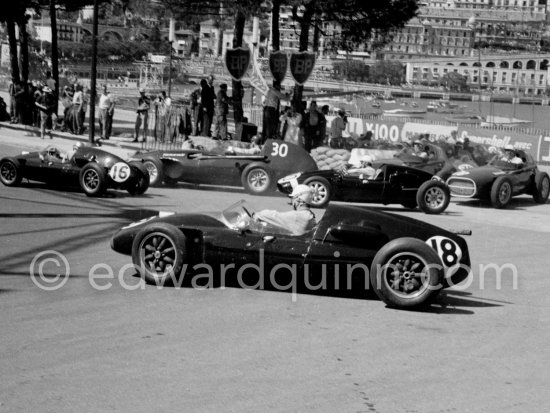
column 387, row 72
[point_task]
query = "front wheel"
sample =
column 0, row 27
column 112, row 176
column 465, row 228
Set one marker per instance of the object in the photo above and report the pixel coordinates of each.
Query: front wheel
column 256, row 179
column 501, row 192
column 433, row 197
column 159, row 253
column 156, row 172
column 322, row 191
column 10, row 172
column 406, row 273
column 93, row 179
column 542, row 188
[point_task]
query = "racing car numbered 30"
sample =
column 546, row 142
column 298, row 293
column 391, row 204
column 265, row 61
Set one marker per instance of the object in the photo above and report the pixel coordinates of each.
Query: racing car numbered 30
column 92, row 169
column 405, row 261
column 255, row 169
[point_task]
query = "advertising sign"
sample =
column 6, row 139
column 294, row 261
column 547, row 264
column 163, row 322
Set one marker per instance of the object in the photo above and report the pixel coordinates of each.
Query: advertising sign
column 301, row 66
column 278, row 63
column 237, row 62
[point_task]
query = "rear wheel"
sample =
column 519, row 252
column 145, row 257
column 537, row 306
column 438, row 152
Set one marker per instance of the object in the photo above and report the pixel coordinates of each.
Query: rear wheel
column 256, row 179
column 542, row 188
column 156, row 174
column 93, row 179
column 140, row 183
column 433, row 197
column 501, row 192
column 406, row 273
column 322, row 191
column 10, row 172
column 159, row 253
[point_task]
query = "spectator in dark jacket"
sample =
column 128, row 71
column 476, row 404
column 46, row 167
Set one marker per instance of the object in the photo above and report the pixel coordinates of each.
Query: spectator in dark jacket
column 208, row 97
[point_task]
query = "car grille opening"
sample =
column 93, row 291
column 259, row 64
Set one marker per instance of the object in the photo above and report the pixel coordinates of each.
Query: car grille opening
column 462, row 187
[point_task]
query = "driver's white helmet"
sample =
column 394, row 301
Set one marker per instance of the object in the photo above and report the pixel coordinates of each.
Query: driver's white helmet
column 303, row 193
column 78, row 145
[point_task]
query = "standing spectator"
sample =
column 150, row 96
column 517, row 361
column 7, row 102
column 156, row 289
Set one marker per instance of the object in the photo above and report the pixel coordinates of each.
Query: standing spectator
column 46, row 104
column 271, row 113
column 67, row 102
column 162, row 109
column 50, row 82
column 85, row 102
column 222, row 109
column 292, row 119
column 196, row 112
column 106, row 110
column 19, row 102
column 36, row 93
column 338, row 125
column 12, row 89
column 314, row 127
column 78, row 102
column 144, row 103
column 208, row 97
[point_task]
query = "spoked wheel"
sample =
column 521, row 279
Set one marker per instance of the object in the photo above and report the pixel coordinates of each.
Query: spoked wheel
column 501, row 192
column 256, row 179
column 406, row 273
column 10, row 172
column 93, row 179
column 542, row 187
column 321, row 191
column 433, row 197
column 158, row 253
column 154, row 167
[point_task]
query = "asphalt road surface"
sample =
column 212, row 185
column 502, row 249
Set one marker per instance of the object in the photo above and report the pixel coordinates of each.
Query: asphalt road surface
column 123, row 346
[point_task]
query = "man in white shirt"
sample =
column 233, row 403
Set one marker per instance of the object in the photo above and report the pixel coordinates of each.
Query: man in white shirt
column 106, row 110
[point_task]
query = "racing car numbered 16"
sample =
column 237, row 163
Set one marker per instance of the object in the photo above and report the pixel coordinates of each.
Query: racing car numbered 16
column 92, row 169
column 255, row 169
column 405, row 261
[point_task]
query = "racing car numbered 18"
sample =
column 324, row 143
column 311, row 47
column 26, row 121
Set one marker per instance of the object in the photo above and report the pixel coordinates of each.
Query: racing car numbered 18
column 256, row 171
column 387, row 184
column 405, row 261
column 92, row 169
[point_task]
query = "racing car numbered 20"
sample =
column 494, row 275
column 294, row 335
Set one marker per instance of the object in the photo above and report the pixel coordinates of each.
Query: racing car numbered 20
column 92, row 169
column 405, row 261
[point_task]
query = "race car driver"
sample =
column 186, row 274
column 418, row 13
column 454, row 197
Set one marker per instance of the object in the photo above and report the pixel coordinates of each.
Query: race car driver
column 297, row 222
column 69, row 154
column 510, row 155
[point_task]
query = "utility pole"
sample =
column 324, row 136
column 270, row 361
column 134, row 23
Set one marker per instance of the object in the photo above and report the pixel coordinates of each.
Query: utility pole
column 93, row 74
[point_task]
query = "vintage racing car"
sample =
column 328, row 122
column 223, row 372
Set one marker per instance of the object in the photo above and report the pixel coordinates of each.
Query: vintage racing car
column 500, row 180
column 257, row 173
column 442, row 159
column 406, row 261
column 390, row 184
column 92, row 169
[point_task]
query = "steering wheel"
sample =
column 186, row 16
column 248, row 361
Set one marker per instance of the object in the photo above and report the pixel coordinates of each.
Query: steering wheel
column 247, row 211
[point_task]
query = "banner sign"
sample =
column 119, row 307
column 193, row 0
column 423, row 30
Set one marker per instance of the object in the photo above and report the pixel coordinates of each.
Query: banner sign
column 301, row 66
column 395, row 131
column 278, row 63
column 237, row 62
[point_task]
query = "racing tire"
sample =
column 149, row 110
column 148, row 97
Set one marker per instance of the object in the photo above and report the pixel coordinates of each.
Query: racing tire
column 155, row 169
column 433, row 196
column 322, row 191
column 406, row 273
column 256, row 179
column 140, row 183
column 10, row 172
column 159, row 253
column 542, row 188
column 501, row 192
column 93, row 179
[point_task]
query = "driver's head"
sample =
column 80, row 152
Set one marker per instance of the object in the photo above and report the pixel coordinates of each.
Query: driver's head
column 78, row 145
column 302, row 195
column 509, row 151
